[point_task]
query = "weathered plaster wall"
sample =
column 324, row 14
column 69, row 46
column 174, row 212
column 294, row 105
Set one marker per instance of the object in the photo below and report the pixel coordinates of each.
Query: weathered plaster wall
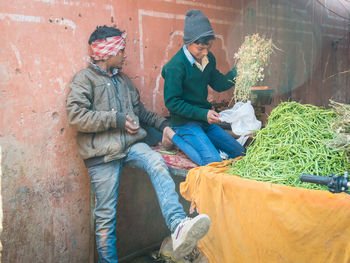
column 45, row 187
column 314, row 37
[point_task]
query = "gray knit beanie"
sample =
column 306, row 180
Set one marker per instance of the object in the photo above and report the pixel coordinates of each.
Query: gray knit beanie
column 197, row 25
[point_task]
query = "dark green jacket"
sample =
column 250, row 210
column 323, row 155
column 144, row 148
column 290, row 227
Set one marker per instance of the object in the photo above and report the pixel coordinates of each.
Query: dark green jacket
column 186, row 88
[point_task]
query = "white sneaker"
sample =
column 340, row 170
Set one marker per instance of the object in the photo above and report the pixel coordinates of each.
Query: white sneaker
column 188, row 233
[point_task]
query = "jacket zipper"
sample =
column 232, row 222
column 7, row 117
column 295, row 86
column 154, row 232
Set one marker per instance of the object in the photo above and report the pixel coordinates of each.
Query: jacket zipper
column 123, row 135
column 94, row 134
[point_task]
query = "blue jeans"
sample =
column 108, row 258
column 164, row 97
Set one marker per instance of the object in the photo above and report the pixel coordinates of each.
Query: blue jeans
column 105, row 182
column 153, row 136
column 201, row 142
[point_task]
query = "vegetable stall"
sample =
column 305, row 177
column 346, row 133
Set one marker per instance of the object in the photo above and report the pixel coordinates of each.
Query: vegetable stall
column 260, row 210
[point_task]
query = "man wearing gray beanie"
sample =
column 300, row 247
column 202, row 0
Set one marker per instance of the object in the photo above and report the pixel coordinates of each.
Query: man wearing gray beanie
column 186, row 79
column 197, row 25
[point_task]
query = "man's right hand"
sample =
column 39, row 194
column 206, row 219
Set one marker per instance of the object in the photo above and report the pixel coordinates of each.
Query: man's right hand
column 213, row 117
column 130, row 125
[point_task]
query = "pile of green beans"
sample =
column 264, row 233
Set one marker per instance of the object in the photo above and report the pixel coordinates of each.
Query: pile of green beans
column 293, row 142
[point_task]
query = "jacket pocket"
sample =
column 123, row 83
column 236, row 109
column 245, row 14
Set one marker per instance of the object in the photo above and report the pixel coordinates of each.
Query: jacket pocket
column 85, row 141
column 93, row 140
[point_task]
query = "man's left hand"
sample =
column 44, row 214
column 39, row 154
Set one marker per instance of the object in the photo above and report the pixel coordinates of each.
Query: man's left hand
column 130, row 125
column 213, row 117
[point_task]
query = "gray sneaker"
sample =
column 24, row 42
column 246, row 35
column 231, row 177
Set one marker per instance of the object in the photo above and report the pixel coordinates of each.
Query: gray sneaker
column 188, row 233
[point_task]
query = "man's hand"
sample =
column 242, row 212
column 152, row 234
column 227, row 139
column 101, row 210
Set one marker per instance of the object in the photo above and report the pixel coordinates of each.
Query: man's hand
column 213, row 117
column 130, row 125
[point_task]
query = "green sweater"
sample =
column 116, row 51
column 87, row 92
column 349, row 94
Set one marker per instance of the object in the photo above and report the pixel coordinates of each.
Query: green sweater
column 186, row 88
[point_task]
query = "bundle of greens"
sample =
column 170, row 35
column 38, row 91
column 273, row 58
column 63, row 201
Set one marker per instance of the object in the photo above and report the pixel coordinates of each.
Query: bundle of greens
column 341, row 128
column 293, row 142
column 252, row 57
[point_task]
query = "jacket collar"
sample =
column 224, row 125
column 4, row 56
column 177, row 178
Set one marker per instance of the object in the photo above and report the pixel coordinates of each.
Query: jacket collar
column 103, row 72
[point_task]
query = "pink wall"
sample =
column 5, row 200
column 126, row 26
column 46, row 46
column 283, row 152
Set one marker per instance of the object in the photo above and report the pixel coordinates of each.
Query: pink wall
column 45, row 186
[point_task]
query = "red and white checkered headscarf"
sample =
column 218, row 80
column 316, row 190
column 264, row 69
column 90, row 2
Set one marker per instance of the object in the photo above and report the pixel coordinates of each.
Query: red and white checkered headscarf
column 104, row 48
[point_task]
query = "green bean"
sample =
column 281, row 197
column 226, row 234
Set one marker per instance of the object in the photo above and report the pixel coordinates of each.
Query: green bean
column 293, row 142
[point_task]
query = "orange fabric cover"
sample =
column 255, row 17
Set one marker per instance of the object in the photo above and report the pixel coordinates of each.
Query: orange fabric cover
column 257, row 222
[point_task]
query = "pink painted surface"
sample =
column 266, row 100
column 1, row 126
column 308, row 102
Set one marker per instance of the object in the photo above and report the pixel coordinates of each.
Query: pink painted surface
column 45, row 186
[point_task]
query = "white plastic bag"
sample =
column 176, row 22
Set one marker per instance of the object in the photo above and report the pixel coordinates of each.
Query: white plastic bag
column 242, row 119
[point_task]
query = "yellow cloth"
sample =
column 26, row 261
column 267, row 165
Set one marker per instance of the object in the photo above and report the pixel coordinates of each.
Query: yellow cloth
column 257, row 222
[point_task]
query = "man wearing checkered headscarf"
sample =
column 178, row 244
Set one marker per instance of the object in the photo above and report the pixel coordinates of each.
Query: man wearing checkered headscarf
column 104, row 106
column 102, row 49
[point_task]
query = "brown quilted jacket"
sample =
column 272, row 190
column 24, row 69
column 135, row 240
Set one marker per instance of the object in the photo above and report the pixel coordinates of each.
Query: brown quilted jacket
column 97, row 110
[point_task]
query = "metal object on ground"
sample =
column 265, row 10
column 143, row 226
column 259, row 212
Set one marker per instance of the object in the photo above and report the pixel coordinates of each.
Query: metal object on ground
column 166, row 253
column 335, row 183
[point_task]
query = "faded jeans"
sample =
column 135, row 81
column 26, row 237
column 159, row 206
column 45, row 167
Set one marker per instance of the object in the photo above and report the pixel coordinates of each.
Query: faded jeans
column 105, row 182
column 201, row 142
